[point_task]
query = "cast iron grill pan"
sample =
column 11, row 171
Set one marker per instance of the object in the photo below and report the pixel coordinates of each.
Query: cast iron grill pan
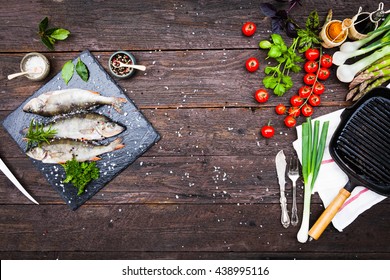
column 361, row 148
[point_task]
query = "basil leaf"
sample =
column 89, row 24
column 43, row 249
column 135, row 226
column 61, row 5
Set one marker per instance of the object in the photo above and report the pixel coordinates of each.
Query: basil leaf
column 277, row 39
column 47, row 42
column 268, row 9
column 67, row 71
column 82, row 70
column 274, row 51
column 60, row 34
column 43, row 25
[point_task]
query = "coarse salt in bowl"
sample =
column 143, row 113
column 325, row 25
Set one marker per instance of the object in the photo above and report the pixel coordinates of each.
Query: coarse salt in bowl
column 35, row 62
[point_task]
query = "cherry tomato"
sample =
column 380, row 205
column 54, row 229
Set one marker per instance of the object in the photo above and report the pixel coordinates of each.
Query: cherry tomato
column 261, row 95
column 326, row 61
column 249, row 28
column 307, row 110
column 280, row 109
column 252, row 64
column 319, row 88
column 312, row 54
column 304, row 91
column 290, row 121
column 267, row 131
column 296, row 100
column 309, row 79
column 294, row 111
column 323, row 74
column 314, row 100
column 311, row 66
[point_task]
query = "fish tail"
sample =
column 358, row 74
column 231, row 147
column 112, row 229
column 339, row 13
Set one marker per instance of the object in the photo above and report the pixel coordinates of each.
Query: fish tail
column 117, row 104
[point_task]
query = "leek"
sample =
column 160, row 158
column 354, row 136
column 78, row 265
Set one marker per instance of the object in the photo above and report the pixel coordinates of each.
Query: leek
column 353, row 46
column 313, row 147
column 346, row 73
column 340, row 57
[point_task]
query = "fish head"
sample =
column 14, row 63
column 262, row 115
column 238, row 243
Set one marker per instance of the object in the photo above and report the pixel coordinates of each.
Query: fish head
column 109, row 129
column 34, row 105
column 37, row 153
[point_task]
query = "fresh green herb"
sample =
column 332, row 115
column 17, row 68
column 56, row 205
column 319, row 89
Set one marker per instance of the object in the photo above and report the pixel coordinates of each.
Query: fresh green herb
column 278, row 78
column 79, row 174
column 313, row 148
column 82, row 70
column 37, row 134
column 67, row 71
column 309, row 36
column 51, row 35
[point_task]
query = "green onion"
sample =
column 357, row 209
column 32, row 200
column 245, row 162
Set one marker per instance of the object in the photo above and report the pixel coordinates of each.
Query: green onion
column 313, row 148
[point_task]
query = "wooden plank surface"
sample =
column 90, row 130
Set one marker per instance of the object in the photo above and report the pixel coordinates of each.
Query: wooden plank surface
column 208, row 188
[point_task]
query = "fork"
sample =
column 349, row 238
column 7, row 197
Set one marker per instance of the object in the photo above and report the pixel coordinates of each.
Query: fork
column 293, row 174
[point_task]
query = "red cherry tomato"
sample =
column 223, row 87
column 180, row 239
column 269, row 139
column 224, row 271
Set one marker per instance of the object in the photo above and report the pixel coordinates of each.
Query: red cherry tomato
column 311, row 66
column 323, row 74
column 261, row 95
column 252, row 64
column 312, row 54
column 309, row 79
column 280, row 109
column 307, row 110
column 290, row 121
column 294, row 111
column 249, row 28
column 319, row 88
column 304, row 91
column 326, row 61
column 314, row 100
column 267, row 131
column 296, row 100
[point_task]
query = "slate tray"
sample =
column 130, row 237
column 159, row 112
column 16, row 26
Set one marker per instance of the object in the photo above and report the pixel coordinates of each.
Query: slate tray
column 138, row 136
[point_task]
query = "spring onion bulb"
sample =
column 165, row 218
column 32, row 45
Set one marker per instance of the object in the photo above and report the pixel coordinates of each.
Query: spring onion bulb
column 353, row 46
column 340, row 57
column 313, row 147
column 346, row 73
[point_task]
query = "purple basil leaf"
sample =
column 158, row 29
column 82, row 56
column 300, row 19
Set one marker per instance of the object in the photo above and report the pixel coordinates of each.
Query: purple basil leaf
column 268, row 9
column 291, row 30
column 293, row 3
column 277, row 26
column 282, row 14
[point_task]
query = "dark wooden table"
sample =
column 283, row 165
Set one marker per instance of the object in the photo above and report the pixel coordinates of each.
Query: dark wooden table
column 208, row 188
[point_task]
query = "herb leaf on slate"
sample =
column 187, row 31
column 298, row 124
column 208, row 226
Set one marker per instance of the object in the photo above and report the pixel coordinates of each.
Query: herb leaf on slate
column 50, row 36
column 82, row 70
column 67, row 71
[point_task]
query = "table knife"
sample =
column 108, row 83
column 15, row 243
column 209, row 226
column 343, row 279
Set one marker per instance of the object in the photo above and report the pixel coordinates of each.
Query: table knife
column 15, row 181
column 281, row 164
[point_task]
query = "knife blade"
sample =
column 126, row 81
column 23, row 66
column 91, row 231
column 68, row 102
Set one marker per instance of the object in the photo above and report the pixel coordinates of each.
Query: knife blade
column 15, row 181
column 281, row 164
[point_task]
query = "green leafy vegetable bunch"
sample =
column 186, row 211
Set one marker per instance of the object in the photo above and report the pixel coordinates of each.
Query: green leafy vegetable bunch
column 278, row 78
column 50, row 35
column 79, row 174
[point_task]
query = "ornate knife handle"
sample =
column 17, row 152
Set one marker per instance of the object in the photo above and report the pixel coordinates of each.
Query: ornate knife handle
column 285, row 219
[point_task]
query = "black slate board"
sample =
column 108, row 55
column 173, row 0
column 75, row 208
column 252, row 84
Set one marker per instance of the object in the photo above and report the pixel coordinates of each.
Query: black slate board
column 138, row 136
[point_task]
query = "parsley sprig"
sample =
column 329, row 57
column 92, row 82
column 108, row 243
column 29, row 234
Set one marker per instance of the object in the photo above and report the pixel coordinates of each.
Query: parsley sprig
column 278, row 78
column 309, row 36
column 79, row 174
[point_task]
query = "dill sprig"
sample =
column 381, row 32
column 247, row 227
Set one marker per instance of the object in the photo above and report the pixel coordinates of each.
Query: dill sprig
column 37, row 134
